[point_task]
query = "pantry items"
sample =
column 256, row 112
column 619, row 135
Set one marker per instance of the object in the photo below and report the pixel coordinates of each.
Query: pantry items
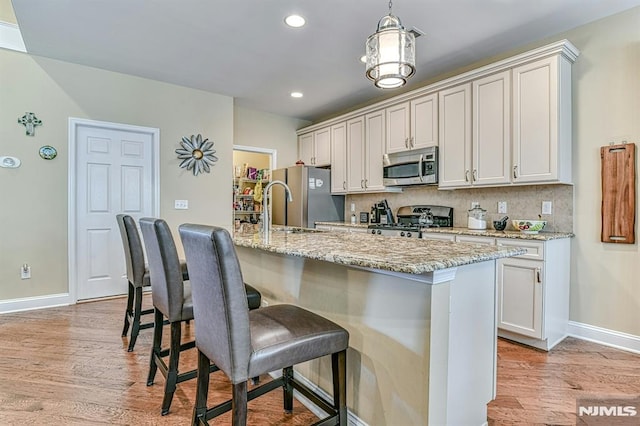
column 477, row 218
column 381, row 213
column 529, row 226
column 499, row 225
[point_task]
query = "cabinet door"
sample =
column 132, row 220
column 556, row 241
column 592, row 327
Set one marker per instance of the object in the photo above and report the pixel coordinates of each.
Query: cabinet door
column 535, row 121
column 339, row 158
column 491, row 147
column 454, row 114
column 520, row 303
column 424, row 121
column 305, row 148
column 398, row 128
column 322, row 147
column 374, row 150
column 355, row 155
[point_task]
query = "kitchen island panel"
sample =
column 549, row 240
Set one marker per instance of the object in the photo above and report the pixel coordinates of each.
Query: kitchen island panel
column 410, row 360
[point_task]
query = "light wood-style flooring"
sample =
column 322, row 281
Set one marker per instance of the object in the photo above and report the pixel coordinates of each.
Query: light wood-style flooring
column 69, row 366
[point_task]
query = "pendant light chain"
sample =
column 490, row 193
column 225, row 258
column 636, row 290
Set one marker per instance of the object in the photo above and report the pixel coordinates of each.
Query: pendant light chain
column 390, row 4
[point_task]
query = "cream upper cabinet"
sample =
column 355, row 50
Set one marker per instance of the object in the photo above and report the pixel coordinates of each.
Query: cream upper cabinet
column 413, row 124
column 374, row 150
column 355, row 154
column 339, row 158
column 491, row 151
column 475, row 133
column 305, row 148
column 542, row 121
column 398, row 128
column 424, row 121
column 455, row 136
column 315, row 147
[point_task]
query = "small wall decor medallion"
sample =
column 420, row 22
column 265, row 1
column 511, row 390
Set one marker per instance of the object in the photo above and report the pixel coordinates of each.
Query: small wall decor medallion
column 48, row 152
column 30, row 121
column 197, row 154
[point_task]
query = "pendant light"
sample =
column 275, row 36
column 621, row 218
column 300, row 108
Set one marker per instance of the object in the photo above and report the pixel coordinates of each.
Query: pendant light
column 391, row 53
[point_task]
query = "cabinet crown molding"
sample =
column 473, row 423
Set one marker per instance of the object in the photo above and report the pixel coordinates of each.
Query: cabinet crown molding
column 563, row 48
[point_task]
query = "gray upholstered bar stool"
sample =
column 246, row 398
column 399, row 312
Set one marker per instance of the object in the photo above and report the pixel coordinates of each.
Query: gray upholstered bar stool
column 245, row 344
column 138, row 277
column 171, row 299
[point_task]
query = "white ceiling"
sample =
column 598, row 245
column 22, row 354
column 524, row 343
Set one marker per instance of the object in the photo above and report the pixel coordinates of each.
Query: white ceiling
column 243, row 49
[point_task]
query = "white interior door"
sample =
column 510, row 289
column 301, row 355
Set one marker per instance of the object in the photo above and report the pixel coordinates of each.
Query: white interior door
column 114, row 173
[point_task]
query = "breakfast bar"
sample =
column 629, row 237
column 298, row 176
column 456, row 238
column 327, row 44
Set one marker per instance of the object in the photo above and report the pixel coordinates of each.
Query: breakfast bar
column 421, row 315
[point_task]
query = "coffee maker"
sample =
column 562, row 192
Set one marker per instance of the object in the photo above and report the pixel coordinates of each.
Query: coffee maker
column 381, row 213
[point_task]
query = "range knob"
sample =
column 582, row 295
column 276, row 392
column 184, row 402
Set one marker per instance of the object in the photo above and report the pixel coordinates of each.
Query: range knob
column 409, row 234
column 402, row 233
column 373, row 231
column 379, row 232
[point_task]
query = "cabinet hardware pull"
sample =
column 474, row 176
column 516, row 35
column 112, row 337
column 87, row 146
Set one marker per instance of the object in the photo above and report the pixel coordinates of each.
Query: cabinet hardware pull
column 466, row 175
column 344, row 184
column 538, row 275
column 362, row 183
column 411, row 142
column 366, row 183
column 406, row 142
column 515, row 169
column 475, row 175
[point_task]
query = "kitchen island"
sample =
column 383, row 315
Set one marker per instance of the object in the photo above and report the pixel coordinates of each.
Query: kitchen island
column 421, row 317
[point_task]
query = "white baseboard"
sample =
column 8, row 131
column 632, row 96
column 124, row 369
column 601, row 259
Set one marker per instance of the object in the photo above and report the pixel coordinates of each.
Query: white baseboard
column 352, row 419
column 37, row 302
column 603, row 336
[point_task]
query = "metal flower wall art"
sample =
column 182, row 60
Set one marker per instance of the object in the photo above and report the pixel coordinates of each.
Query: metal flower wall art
column 197, row 154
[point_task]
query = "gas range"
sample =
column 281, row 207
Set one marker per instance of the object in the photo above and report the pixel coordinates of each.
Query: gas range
column 411, row 219
column 395, row 230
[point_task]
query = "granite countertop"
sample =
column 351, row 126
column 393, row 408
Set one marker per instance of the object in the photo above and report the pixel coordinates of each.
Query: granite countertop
column 407, row 255
column 542, row 236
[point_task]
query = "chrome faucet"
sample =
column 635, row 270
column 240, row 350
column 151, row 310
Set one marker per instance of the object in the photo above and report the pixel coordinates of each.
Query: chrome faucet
column 266, row 217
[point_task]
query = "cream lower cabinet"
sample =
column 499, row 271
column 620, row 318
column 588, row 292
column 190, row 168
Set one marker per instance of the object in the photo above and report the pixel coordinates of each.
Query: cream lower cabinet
column 533, row 288
column 533, row 292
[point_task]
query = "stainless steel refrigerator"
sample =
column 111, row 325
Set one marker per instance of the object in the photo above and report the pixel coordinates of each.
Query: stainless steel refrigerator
column 312, row 199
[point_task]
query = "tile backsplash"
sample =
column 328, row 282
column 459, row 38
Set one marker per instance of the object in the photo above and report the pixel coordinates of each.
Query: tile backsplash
column 523, row 202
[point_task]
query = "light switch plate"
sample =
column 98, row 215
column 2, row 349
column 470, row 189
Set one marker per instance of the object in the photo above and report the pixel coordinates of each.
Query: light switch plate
column 547, row 207
column 181, row 204
column 502, row 207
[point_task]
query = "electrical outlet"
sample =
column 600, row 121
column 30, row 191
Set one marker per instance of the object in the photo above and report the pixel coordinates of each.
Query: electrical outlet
column 181, row 204
column 502, row 207
column 353, row 207
column 25, row 272
column 547, row 207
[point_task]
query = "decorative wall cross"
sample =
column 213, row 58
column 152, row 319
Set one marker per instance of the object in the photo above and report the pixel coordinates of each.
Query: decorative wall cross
column 30, row 121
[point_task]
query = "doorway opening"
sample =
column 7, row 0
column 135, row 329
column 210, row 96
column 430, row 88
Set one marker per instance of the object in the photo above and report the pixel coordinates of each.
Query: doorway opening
column 252, row 167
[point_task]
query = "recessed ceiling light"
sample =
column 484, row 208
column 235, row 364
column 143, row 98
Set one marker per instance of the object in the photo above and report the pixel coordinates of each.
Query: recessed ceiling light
column 296, row 94
column 294, row 21
column 363, row 59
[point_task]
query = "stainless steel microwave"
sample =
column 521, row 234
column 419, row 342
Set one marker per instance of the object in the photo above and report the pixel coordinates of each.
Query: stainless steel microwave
column 416, row 167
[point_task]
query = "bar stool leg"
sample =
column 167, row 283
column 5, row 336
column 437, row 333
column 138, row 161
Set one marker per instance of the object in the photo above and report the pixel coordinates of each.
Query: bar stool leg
column 202, row 389
column 339, row 372
column 172, row 371
column 239, row 404
column 157, row 345
column 137, row 310
column 128, row 312
column 287, row 387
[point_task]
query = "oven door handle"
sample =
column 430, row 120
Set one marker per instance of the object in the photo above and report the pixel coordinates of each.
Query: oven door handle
column 420, row 161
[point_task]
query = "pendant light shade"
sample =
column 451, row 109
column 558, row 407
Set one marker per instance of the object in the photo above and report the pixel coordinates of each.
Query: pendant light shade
column 391, row 54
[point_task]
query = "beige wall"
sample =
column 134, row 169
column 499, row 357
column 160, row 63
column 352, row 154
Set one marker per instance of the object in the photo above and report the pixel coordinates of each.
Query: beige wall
column 605, row 283
column 33, row 217
column 265, row 130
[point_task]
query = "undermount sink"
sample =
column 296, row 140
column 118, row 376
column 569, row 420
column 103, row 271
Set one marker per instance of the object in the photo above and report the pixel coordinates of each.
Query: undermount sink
column 295, row 230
